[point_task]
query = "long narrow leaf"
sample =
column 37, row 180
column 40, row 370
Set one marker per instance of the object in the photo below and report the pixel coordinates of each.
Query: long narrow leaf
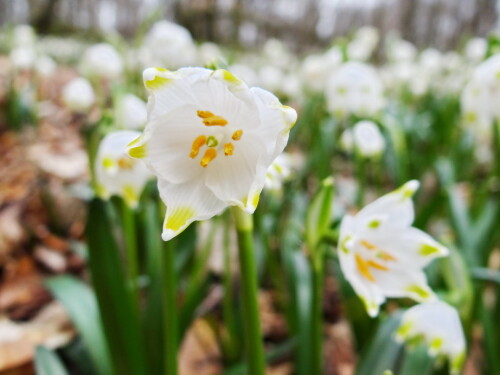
column 48, row 363
column 81, row 304
column 120, row 317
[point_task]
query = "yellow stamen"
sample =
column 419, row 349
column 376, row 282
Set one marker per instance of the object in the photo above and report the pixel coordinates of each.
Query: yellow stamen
column 228, row 149
column 364, row 267
column 237, row 135
column 210, row 155
column 376, row 265
column 126, row 163
column 368, row 245
column 209, row 119
column 198, row 143
column 386, row 256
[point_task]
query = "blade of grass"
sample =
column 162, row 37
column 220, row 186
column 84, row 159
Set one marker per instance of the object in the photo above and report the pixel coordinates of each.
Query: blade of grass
column 119, row 315
column 81, row 304
column 48, row 363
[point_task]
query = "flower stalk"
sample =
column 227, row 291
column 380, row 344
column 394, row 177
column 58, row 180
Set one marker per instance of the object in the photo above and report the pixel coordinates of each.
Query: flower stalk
column 253, row 334
column 170, row 325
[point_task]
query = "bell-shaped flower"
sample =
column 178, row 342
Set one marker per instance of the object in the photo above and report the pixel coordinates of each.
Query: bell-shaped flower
column 130, row 112
column 279, row 171
column 382, row 255
column 355, row 88
column 103, row 61
column 116, row 173
column 210, row 140
column 368, row 139
column 439, row 326
column 78, row 95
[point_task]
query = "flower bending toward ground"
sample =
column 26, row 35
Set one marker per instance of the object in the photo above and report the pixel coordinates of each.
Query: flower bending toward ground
column 438, row 324
column 116, row 173
column 210, row 140
column 381, row 255
column 78, row 95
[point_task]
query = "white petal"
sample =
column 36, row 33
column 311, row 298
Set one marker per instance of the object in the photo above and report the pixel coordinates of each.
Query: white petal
column 231, row 177
column 396, row 207
column 367, row 291
column 403, row 282
column 410, row 246
column 169, row 142
column 186, row 203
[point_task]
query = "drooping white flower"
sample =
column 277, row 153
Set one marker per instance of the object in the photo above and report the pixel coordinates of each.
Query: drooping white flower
column 116, row 173
column 102, row 60
column 24, row 36
column 368, row 139
column 382, row 255
column 169, row 44
column 131, row 112
column 210, row 140
column 475, row 49
column 45, row 66
column 355, row 88
column 438, row 324
column 78, row 94
column 23, row 58
column 279, row 171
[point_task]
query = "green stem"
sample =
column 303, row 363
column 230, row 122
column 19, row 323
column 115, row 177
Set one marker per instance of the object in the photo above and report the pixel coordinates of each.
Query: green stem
column 170, row 310
column 228, row 302
column 253, row 334
column 129, row 232
column 317, row 313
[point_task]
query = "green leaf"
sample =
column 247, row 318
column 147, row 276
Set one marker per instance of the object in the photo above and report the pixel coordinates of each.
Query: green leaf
column 81, row 305
column 48, row 363
column 383, row 351
column 417, row 360
column 319, row 214
column 119, row 315
column 486, row 274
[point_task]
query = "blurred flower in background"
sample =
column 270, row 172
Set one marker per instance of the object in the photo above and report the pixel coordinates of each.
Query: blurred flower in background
column 78, row 95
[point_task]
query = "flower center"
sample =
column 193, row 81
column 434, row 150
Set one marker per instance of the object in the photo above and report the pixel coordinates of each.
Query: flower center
column 364, row 265
column 214, row 142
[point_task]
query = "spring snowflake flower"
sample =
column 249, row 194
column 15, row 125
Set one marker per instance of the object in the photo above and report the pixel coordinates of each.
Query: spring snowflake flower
column 78, row 95
column 368, row 139
column 355, row 88
column 131, row 112
column 279, row 171
column 210, row 140
column 116, row 173
column 381, row 255
column 102, row 60
column 438, row 324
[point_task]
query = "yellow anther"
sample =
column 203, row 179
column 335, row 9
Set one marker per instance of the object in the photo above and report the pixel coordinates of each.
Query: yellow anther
column 237, row 135
column 228, row 149
column 198, row 143
column 385, row 256
column 204, row 114
column 126, row 163
column 210, row 155
column 376, row 265
column 368, row 245
column 209, row 119
column 364, row 267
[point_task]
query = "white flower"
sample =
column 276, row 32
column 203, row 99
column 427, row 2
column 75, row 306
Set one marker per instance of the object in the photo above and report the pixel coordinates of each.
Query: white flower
column 23, row 58
column 438, row 324
column 170, row 44
column 279, row 171
column 131, row 112
column 210, row 140
column 102, row 60
column 475, row 49
column 45, row 66
column 116, row 173
column 347, row 140
column 354, row 88
column 368, row 139
column 78, row 95
column 381, row 255
column 24, row 36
